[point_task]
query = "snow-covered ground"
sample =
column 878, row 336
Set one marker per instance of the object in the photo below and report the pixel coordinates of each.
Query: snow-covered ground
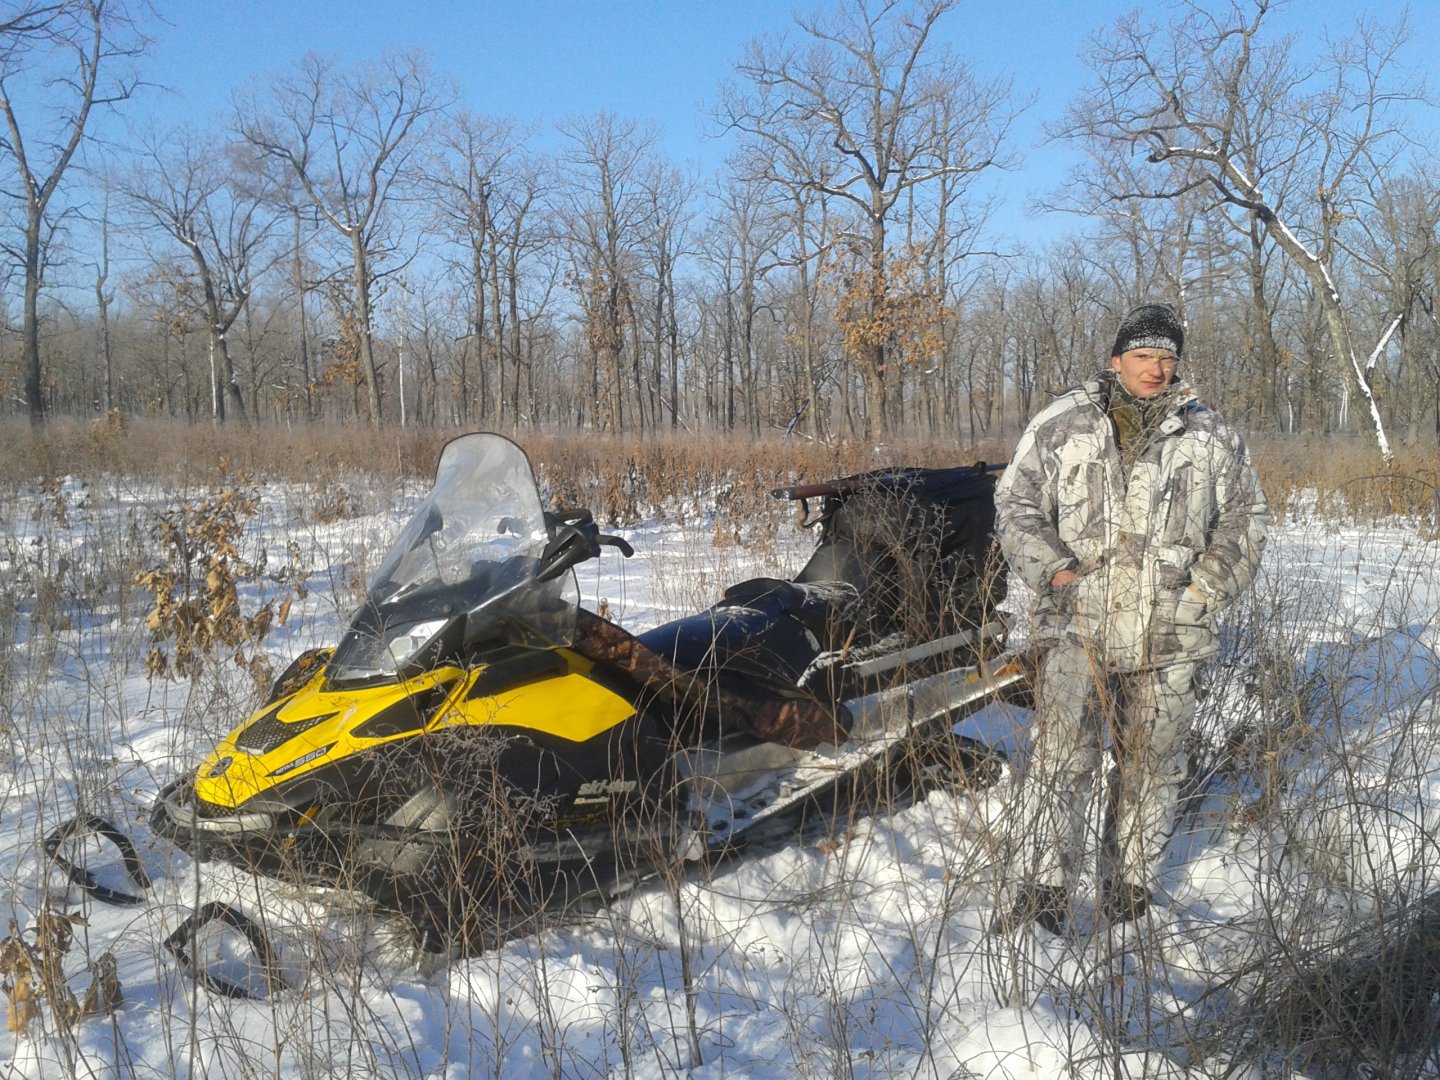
column 860, row 954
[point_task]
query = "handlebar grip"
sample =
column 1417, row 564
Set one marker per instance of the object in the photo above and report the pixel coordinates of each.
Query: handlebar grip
column 618, row 542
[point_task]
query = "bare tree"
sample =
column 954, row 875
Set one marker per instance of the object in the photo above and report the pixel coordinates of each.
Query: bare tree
column 867, row 84
column 53, row 58
column 667, row 193
column 606, row 221
column 1397, row 249
column 184, row 184
column 486, row 187
column 346, row 139
column 741, row 251
column 804, row 250
column 1212, row 104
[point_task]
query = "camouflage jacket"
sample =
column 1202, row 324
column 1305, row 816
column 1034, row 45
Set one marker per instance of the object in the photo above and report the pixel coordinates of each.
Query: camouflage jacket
column 1160, row 552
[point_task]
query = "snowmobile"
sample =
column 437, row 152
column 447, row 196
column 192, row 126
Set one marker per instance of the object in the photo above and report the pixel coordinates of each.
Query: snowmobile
column 479, row 750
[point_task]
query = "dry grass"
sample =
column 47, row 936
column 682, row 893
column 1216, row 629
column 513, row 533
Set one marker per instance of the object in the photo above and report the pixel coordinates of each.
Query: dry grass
column 202, row 456
column 621, row 478
column 624, row 478
column 1349, row 480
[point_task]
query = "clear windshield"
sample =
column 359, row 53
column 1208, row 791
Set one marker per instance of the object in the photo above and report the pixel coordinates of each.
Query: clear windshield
column 471, row 551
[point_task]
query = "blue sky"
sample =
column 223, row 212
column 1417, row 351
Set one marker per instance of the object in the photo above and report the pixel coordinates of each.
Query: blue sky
column 651, row 60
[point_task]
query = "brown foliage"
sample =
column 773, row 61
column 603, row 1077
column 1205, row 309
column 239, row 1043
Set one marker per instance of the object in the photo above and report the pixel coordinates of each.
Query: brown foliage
column 32, row 972
column 197, row 613
column 894, row 307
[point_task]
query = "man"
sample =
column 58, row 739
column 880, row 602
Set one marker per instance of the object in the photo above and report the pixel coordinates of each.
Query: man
column 1133, row 513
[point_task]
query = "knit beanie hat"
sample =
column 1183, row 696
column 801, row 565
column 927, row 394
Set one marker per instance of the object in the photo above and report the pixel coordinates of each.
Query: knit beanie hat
column 1150, row 326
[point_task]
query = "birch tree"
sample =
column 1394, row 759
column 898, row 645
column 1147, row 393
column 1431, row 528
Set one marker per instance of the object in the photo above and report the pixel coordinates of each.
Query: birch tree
column 1213, row 102
column 1396, row 245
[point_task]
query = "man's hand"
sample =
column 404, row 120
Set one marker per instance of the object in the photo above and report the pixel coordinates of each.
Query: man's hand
column 1063, row 578
column 1191, row 607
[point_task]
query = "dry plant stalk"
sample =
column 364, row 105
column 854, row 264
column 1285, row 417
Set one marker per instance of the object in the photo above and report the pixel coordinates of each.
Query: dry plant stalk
column 197, row 589
column 34, row 973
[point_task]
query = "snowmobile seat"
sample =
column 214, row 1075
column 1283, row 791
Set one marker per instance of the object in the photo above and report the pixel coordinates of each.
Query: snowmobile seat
column 824, row 607
column 761, row 631
column 759, row 703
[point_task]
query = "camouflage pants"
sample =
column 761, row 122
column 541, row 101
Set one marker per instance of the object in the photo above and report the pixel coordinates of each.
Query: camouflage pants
column 1144, row 717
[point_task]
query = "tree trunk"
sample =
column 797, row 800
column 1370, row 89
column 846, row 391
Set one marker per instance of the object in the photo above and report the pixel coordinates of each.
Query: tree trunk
column 1267, row 353
column 1329, row 297
column 367, row 339
column 30, row 328
column 300, row 291
column 479, row 240
column 877, row 420
column 107, row 358
column 229, row 389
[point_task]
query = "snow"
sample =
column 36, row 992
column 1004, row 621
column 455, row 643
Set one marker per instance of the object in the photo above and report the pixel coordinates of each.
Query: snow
column 861, row 954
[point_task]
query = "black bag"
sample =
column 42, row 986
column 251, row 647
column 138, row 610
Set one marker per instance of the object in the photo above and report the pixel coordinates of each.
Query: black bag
column 917, row 544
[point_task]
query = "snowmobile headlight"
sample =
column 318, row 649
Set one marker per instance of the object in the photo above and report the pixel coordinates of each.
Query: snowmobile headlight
column 408, row 640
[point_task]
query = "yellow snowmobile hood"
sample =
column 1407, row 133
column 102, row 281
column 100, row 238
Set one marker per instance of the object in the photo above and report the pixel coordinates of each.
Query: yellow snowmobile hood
column 315, row 727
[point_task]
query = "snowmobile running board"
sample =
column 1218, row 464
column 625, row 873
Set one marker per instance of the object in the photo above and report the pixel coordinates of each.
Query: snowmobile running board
column 735, row 790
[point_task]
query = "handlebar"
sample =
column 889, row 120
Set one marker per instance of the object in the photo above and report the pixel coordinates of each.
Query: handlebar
column 584, row 521
column 575, row 515
column 618, row 542
column 577, row 539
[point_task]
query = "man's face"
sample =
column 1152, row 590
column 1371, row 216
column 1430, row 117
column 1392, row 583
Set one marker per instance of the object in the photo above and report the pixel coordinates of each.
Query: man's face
column 1145, row 373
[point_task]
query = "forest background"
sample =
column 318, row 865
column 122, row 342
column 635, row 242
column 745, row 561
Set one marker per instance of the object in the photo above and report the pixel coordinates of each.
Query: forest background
column 351, row 241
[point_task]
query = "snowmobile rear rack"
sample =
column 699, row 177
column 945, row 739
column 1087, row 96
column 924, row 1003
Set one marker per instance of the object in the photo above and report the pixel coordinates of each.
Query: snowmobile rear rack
column 892, row 480
column 848, row 485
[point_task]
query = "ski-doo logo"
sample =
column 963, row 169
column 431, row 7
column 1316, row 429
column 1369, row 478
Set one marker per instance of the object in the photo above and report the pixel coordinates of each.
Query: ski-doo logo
column 220, row 768
column 599, row 791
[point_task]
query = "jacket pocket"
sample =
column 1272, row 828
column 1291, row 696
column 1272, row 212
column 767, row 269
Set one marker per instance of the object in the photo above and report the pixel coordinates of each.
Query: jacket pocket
column 1188, row 507
column 1183, row 625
